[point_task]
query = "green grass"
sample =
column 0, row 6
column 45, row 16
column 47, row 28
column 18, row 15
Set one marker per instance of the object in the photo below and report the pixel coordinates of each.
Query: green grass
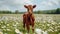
column 12, row 24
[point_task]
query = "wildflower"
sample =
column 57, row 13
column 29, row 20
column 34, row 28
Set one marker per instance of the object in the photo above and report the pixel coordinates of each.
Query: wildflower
column 45, row 32
column 14, row 25
column 59, row 22
column 53, row 23
column 1, row 21
column 18, row 32
column 5, row 33
column 48, row 24
column 1, row 32
column 44, row 21
column 38, row 31
column 0, row 24
column 7, row 24
column 3, row 27
column 55, row 30
column 50, row 30
column 8, row 30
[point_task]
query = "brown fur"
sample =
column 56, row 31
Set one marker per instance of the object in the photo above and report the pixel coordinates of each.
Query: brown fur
column 28, row 17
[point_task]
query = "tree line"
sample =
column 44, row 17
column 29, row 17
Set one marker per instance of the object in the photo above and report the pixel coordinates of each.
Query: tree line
column 55, row 11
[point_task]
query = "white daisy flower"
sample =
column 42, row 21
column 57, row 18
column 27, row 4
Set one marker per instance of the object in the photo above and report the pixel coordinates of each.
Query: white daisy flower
column 38, row 31
column 18, row 32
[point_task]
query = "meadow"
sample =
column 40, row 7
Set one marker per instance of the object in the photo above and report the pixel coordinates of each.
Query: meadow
column 46, row 23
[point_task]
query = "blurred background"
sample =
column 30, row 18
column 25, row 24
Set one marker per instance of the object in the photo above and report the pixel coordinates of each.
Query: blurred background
column 17, row 6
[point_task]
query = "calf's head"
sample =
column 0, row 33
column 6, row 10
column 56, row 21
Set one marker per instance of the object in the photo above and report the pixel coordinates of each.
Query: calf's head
column 30, row 8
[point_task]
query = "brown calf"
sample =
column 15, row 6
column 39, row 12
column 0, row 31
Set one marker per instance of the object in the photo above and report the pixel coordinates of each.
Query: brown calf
column 28, row 17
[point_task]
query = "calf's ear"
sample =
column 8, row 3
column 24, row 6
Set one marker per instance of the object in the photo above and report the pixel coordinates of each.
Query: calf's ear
column 34, row 6
column 25, row 6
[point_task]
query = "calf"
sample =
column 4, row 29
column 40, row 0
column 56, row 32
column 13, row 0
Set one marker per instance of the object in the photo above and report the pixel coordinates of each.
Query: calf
column 28, row 17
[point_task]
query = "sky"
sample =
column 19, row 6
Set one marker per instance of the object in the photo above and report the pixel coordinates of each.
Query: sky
column 19, row 4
